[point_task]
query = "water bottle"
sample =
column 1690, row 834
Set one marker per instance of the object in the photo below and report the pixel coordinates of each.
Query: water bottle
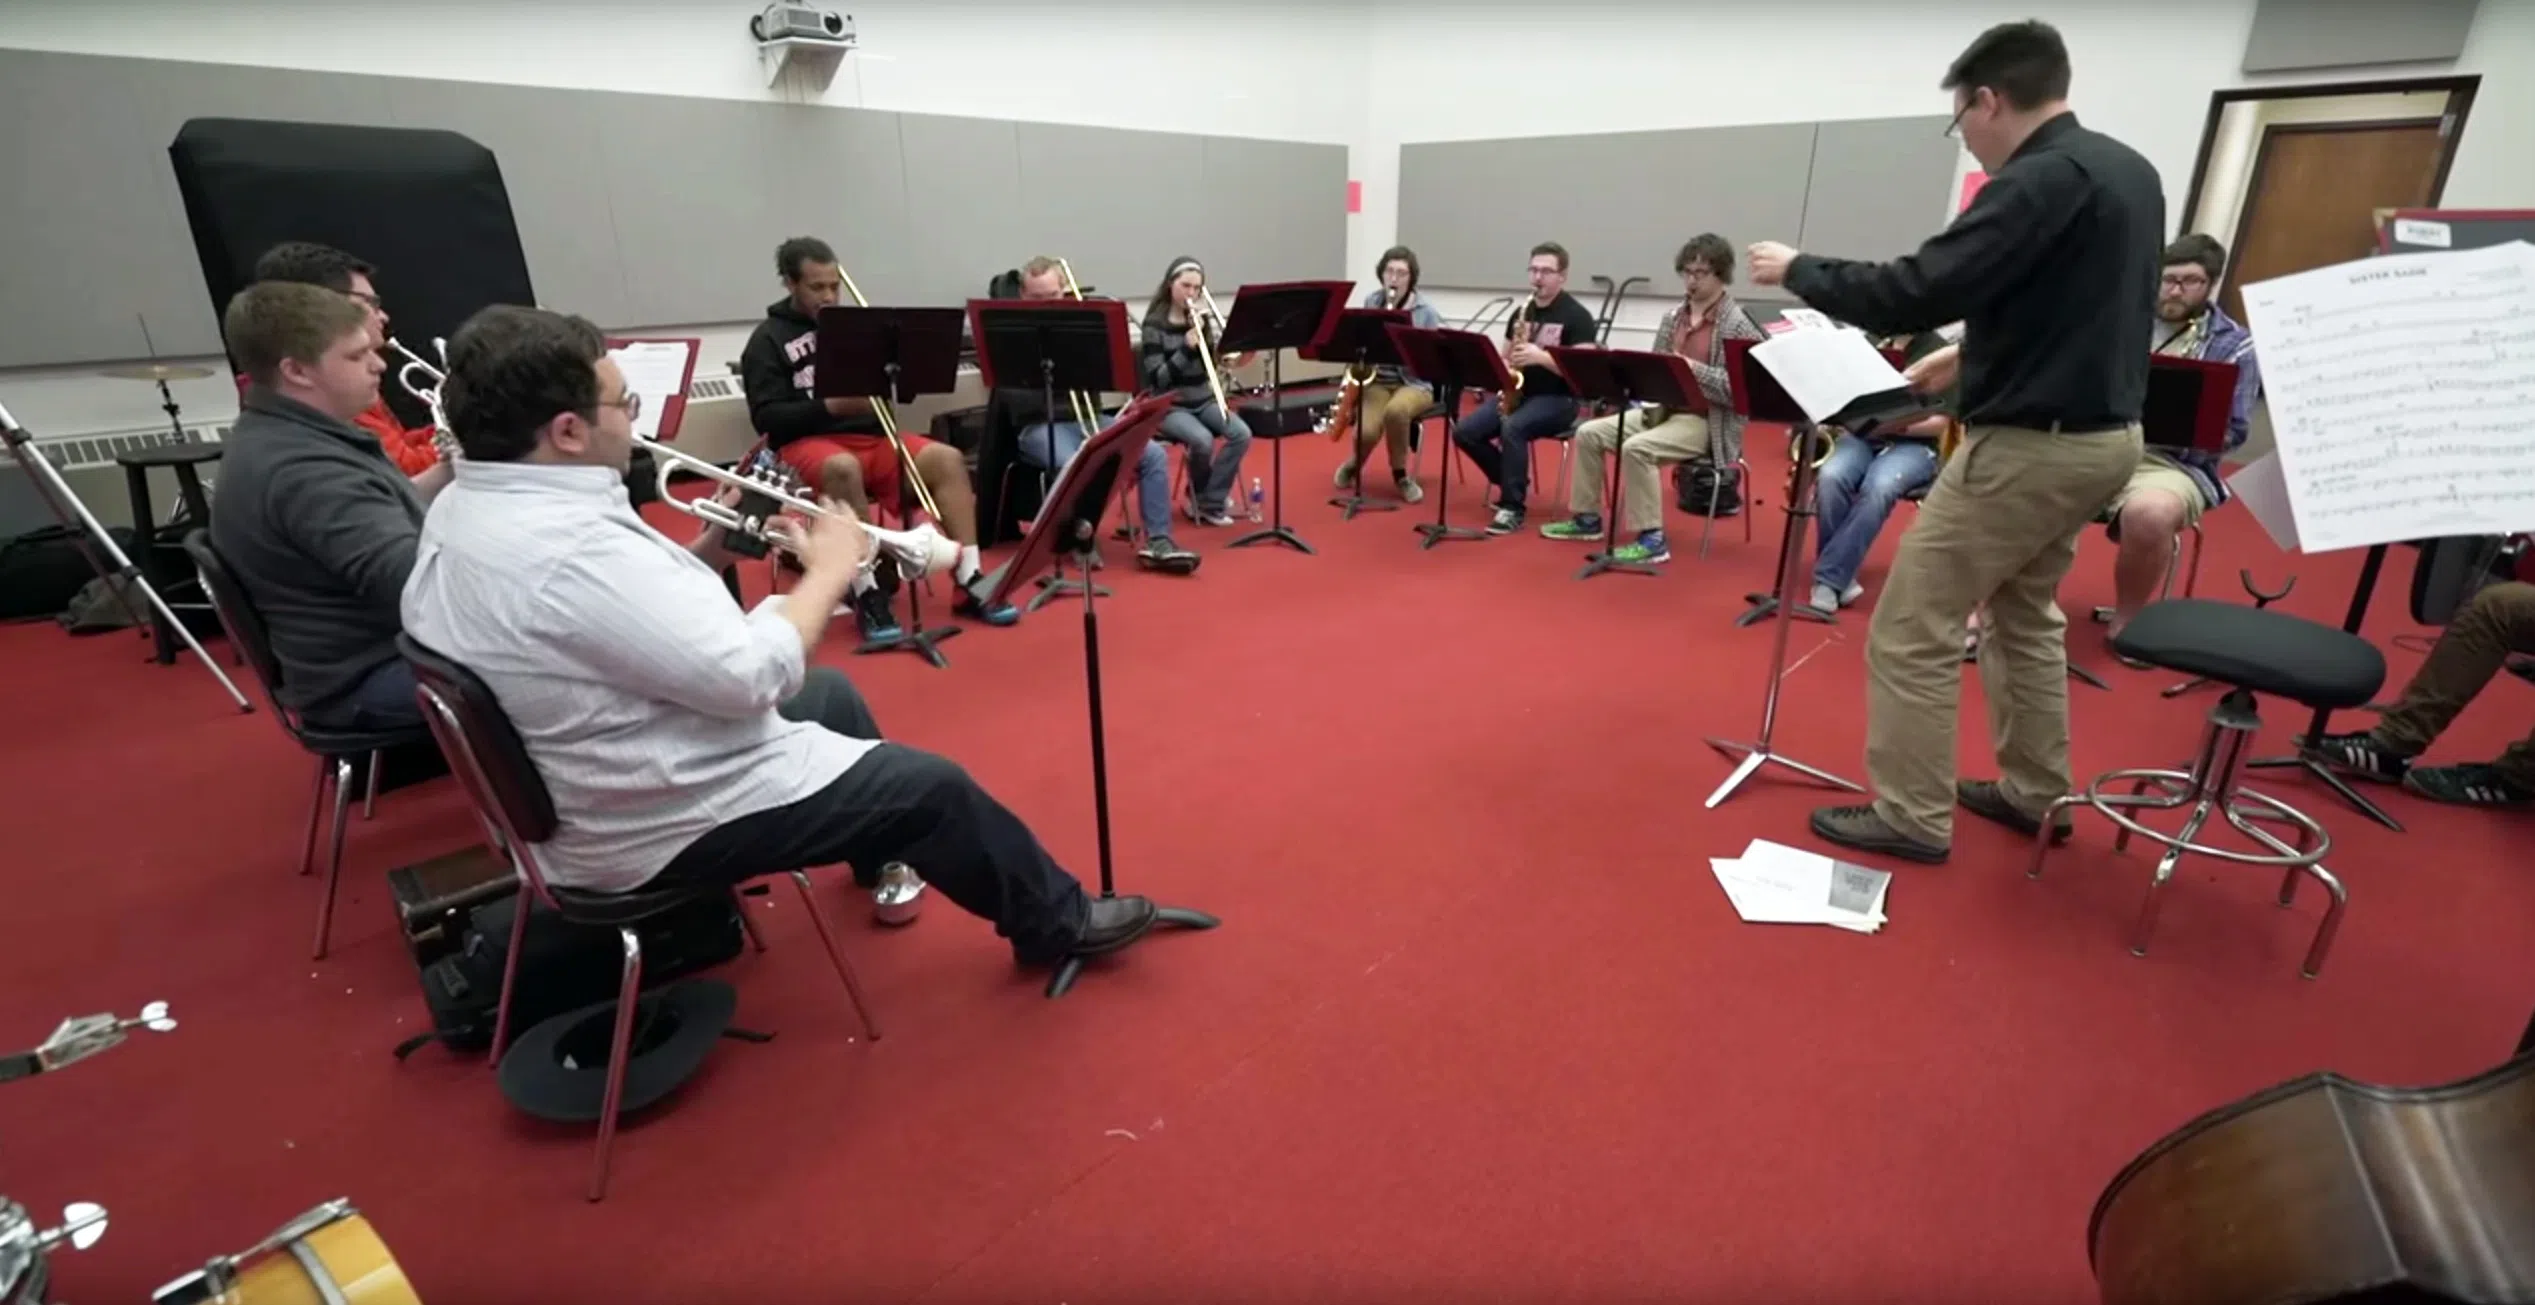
column 1258, row 499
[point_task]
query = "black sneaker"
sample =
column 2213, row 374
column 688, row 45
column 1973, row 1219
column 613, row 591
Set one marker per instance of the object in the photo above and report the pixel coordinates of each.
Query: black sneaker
column 876, row 615
column 2474, row 784
column 2361, row 756
column 1162, row 554
column 1506, row 521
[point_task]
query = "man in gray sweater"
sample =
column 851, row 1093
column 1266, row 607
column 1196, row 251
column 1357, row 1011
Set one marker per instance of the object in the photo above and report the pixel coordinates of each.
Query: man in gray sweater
column 314, row 519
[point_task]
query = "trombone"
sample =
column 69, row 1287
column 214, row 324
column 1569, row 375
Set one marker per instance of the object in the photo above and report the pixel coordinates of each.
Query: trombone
column 1198, row 318
column 1086, row 407
column 881, row 408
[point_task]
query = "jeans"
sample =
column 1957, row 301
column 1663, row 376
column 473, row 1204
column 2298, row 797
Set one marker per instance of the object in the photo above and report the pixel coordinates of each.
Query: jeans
column 383, row 700
column 1854, row 492
column 1502, row 445
column 900, row 804
column 1215, row 441
column 1152, row 470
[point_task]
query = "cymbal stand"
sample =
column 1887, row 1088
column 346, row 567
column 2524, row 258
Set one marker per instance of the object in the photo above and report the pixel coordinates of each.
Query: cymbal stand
column 85, row 529
column 1790, row 574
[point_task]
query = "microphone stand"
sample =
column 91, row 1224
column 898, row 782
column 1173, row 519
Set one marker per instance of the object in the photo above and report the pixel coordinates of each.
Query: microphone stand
column 1790, row 574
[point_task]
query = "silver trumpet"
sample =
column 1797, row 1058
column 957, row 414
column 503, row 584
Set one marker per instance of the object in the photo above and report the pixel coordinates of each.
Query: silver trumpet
column 422, row 380
column 767, row 494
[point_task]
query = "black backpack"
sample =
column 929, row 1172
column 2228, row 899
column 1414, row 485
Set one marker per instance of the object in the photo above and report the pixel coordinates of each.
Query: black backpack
column 563, row 966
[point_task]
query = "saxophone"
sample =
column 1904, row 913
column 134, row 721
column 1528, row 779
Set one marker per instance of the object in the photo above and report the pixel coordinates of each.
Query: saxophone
column 1519, row 333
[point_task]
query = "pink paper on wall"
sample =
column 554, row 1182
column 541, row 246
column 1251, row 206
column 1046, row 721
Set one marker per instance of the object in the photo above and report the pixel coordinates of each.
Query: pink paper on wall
column 1972, row 182
column 1355, row 196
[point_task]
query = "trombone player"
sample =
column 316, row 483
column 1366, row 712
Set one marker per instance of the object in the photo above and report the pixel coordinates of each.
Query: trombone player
column 1049, row 441
column 1178, row 359
column 839, row 447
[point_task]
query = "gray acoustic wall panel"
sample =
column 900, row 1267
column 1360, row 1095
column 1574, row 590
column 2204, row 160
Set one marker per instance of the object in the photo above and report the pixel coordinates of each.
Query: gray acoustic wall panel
column 1622, row 204
column 635, row 210
column 2290, row 35
column 1879, row 186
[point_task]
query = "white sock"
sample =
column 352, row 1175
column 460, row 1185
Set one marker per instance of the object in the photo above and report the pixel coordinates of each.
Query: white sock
column 966, row 568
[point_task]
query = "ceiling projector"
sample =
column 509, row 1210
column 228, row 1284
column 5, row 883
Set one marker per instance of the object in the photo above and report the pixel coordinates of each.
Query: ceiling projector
column 782, row 22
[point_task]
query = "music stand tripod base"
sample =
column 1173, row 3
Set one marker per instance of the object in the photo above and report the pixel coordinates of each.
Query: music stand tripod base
column 1756, row 755
column 1164, row 917
column 2332, row 781
column 1763, row 606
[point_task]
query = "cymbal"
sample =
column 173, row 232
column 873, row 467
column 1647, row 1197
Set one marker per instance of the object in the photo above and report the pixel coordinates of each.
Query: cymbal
column 157, row 372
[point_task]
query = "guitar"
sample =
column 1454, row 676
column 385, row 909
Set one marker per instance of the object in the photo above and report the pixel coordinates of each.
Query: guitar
column 2327, row 1191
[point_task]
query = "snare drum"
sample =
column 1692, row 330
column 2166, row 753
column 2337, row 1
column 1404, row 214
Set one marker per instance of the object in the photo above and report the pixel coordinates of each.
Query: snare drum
column 328, row 1256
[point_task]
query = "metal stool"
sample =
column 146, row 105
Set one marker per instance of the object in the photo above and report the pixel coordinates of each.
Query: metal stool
column 2252, row 651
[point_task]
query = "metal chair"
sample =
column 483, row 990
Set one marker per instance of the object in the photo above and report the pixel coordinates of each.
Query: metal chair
column 518, row 813
column 2253, row 651
column 333, row 749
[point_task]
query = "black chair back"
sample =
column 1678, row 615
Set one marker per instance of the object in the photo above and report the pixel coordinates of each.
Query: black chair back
column 2450, row 572
column 239, row 618
column 483, row 748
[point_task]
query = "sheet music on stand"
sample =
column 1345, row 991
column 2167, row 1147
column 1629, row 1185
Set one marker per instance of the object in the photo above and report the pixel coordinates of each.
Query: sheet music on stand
column 659, row 371
column 1825, row 371
column 2402, row 394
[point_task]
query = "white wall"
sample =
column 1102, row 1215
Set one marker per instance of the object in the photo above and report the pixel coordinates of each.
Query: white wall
column 1368, row 73
column 1481, row 69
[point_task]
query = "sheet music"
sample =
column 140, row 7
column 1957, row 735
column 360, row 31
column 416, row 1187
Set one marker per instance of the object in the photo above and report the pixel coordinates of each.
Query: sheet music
column 656, row 370
column 2265, row 494
column 1772, row 883
column 1825, row 371
column 2402, row 394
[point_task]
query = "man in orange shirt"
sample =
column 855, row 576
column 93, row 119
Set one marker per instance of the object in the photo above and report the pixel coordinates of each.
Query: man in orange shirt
column 307, row 263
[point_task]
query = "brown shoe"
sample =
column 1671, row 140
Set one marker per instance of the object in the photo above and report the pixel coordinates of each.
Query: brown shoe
column 1982, row 798
column 1860, row 828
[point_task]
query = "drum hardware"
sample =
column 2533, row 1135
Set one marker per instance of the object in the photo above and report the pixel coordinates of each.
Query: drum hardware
column 24, row 1271
column 329, row 1256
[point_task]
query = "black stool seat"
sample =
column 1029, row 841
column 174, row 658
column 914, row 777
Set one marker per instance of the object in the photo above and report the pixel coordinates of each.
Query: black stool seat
column 2265, row 651
column 169, row 455
column 584, row 907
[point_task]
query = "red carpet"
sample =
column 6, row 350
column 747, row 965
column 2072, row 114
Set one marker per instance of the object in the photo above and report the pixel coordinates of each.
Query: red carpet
column 1479, row 1022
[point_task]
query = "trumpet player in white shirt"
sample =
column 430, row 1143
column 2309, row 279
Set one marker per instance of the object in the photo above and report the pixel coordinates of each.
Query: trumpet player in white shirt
column 683, row 739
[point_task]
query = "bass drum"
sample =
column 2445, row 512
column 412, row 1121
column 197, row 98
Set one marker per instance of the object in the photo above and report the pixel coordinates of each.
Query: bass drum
column 328, row 1256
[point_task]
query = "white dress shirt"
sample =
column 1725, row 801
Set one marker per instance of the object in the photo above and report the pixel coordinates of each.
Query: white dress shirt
column 645, row 696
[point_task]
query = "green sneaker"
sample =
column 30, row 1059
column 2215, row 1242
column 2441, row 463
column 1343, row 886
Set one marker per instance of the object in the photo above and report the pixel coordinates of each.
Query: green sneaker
column 1650, row 548
column 1573, row 528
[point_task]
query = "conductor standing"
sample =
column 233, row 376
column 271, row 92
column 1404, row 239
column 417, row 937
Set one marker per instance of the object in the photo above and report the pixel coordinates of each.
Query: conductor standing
column 2053, row 272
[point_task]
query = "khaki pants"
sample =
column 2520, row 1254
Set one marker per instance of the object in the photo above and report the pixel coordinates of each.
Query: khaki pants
column 1679, row 437
column 1388, row 412
column 1999, row 528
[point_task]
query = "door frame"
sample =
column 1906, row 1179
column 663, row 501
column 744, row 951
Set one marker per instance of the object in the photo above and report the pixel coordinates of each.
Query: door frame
column 2262, row 161
column 2460, row 94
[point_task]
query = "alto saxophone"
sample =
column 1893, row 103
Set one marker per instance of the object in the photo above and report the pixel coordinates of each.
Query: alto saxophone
column 1519, row 333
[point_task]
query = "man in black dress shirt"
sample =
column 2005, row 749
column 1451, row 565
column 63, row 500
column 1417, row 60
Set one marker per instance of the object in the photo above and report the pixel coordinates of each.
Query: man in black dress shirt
column 2053, row 271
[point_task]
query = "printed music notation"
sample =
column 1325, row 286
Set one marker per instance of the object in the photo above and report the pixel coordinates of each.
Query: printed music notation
column 2402, row 393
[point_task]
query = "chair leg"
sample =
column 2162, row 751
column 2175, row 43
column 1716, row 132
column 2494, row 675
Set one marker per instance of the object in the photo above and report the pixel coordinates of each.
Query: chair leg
column 369, row 796
column 748, row 926
column 836, row 955
column 619, row 1049
column 334, row 858
column 316, row 813
column 510, row 975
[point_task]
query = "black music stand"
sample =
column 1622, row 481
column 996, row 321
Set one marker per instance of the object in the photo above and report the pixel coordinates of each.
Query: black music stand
column 1456, row 361
column 1063, row 346
column 891, row 355
column 1626, row 377
column 2319, row 724
column 1070, row 522
column 1275, row 318
column 1864, row 414
column 2186, row 409
column 1759, row 397
column 1361, row 339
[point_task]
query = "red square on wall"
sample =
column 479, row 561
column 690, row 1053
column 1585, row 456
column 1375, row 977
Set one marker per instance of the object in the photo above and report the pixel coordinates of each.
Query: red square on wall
column 1972, row 182
column 1355, row 196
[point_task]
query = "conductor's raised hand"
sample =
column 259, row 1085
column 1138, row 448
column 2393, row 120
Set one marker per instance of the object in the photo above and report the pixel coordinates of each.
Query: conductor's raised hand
column 1769, row 262
column 1935, row 373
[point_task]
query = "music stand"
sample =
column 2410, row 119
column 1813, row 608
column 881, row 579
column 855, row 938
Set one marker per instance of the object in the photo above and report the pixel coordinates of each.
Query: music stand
column 1069, row 522
column 1361, row 339
column 1759, row 397
column 2317, row 725
column 1062, row 346
column 1455, row 361
column 85, row 530
column 886, row 355
column 1275, row 318
column 1866, row 413
column 1625, row 377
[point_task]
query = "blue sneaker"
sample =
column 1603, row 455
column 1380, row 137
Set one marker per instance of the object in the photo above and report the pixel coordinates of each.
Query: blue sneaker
column 972, row 603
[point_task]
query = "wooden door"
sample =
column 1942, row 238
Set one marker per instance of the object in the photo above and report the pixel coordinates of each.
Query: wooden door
column 2315, row 189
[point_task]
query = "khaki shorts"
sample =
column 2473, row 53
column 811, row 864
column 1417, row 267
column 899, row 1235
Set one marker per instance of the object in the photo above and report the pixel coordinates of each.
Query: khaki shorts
column 2158, row 474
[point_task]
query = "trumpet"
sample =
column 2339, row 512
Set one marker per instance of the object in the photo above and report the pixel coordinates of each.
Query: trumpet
column 423, row 380
column 766, row 495
column 1200, row 320
column 1519, row 333
column 888, row 416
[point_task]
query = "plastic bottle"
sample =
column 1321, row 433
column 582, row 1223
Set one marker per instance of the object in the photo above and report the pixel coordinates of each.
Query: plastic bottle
column 1258, row 499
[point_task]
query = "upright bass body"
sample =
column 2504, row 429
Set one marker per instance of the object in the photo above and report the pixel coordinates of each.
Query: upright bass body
column 2328, row 1190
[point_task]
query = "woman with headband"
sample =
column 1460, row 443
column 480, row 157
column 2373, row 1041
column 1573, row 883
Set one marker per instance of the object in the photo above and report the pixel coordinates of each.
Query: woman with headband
column 1178, row 359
